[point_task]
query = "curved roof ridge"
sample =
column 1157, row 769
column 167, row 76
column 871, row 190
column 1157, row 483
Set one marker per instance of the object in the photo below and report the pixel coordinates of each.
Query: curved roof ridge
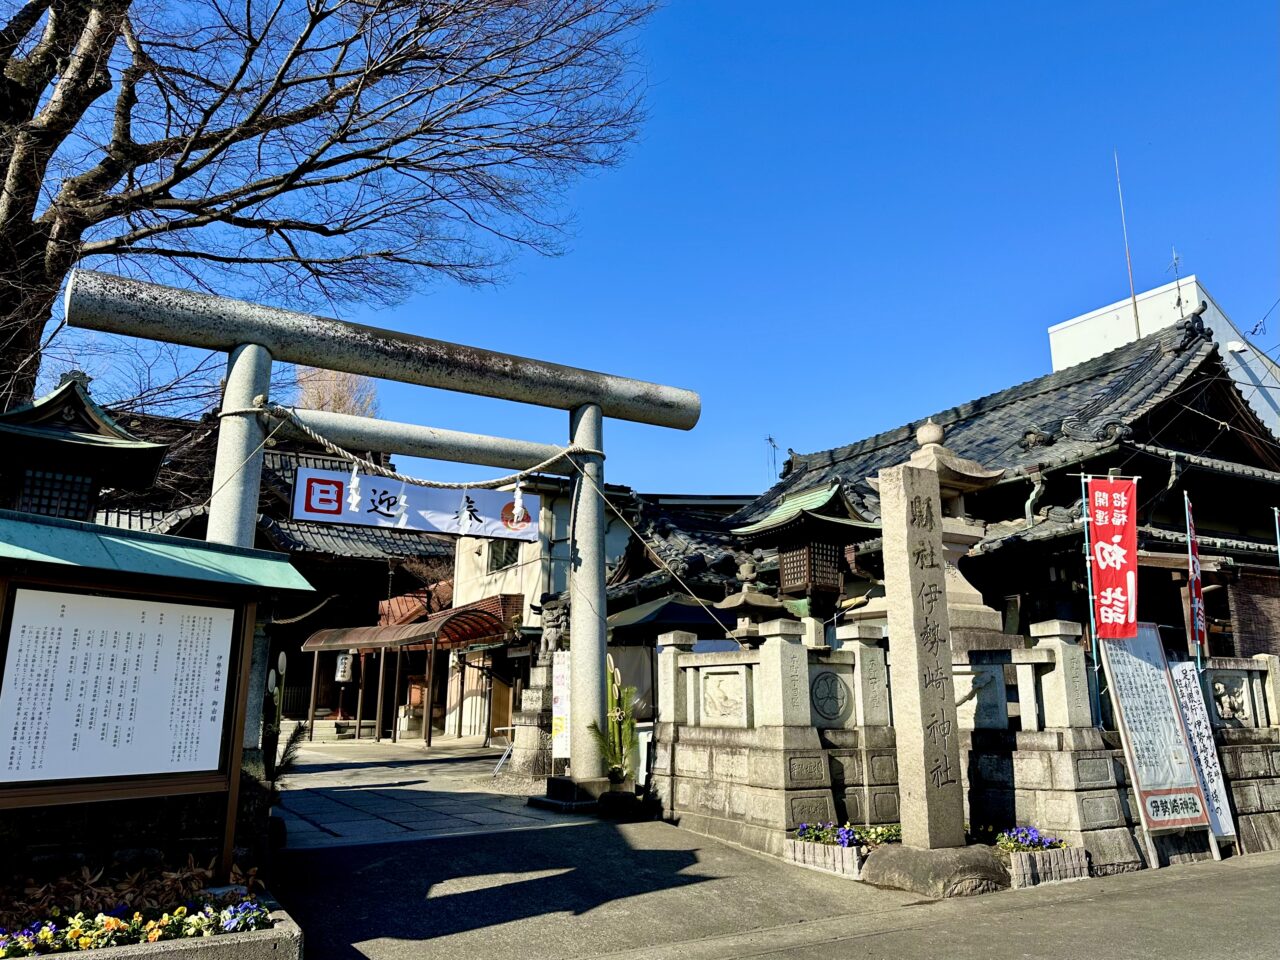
column 1091, row 369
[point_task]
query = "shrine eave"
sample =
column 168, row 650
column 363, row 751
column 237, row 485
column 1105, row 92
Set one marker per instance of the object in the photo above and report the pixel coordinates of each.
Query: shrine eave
column 32, row 540
column 807, row 512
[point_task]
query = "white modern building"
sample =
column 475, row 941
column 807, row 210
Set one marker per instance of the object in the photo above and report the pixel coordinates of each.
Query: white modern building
column 1089, row 335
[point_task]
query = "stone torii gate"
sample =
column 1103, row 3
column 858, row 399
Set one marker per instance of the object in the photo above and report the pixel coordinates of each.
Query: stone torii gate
column 255, row 336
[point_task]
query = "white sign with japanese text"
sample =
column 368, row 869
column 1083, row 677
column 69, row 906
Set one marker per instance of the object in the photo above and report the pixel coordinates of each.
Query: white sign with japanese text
column 112, row 687
column 331, row 496
column 560, row 705
column 1195, row 716
column 1160, row 764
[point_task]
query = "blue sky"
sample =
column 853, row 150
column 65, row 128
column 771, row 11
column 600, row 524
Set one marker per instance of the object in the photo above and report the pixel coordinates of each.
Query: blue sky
column 841, row 217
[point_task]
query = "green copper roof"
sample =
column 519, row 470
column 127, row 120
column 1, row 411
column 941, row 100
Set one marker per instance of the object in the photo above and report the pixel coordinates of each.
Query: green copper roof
column 30, row 538
column 826, row 504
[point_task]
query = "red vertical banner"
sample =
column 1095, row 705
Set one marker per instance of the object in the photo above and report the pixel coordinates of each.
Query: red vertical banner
column 1199, row 630
column 1113, row 555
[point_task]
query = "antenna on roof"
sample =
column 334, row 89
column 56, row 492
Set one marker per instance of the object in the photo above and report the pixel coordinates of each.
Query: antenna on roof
column 1174, row 265
column 1137, row 332
column 773, row 457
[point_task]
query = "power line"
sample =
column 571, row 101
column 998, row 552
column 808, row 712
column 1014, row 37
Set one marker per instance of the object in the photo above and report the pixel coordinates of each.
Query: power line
column 1261, row 326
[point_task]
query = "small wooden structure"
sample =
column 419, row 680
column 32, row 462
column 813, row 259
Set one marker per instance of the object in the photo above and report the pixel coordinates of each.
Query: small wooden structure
column 447, row 630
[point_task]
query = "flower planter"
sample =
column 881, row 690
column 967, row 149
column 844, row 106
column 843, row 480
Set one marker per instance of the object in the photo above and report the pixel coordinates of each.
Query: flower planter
column 281, row 942
column 1047, row 866
column 827, row 857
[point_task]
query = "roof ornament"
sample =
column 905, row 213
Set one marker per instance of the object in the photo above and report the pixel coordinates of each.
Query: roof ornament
column 1193, row 327
column 1033, row 436
column 929, row 434
column 75, row 376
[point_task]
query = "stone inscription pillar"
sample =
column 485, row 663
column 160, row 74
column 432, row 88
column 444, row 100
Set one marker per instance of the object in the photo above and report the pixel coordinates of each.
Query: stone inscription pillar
column 924, row 704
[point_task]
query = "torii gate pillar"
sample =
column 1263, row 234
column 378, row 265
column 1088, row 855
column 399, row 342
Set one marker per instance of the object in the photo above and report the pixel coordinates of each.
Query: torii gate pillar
column 587, row 602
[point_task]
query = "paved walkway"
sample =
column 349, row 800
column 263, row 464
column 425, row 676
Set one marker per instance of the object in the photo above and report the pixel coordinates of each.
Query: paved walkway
column 349, row 793
column 650, row 891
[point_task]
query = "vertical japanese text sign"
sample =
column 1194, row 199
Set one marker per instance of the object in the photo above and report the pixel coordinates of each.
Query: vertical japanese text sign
column 1199, row 633
column 1113, row 545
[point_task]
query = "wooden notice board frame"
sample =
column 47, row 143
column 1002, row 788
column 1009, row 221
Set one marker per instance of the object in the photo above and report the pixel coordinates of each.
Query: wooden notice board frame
column 225, row 779
column 1149, row 832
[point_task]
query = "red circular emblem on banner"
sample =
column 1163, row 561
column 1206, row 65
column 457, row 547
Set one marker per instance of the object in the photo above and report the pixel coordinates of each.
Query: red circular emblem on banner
column 511, row 521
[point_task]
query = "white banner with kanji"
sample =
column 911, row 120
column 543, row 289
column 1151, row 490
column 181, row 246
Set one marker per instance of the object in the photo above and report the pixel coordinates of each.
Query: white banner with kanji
column 1195, row 717
column 331, row 496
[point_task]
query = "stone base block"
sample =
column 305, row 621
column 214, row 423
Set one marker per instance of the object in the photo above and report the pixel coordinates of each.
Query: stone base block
column 826, row 857
column 1111, row 851
column 753, row 836
column 1047, row 866
column 950, row 872
column 1259, row 831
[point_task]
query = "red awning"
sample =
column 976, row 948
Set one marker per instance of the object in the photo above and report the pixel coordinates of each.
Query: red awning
column 447, row 629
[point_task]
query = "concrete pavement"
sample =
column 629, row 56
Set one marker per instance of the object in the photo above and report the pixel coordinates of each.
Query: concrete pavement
column 652, row 891
column 352, row 792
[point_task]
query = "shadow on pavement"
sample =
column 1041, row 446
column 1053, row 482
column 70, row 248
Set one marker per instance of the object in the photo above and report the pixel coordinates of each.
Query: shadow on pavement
column 347, row 896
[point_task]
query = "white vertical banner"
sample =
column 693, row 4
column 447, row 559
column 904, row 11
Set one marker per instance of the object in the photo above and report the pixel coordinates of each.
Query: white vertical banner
column 560, row 705
column 1195, row 717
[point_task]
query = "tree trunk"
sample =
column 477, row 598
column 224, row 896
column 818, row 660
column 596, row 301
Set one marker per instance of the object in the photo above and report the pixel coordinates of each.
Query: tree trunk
column 25, row 308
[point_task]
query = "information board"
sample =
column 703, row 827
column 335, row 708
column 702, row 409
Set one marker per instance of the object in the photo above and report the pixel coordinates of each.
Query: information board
column 99, row 686
column 330, row 496
column 1195, row 717
column 1156, row 750
column 560, row 704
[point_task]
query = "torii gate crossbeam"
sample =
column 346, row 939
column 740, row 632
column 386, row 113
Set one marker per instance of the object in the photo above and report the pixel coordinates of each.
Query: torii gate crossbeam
column 255, row 335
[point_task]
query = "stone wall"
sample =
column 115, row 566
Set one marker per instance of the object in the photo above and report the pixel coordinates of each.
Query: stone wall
column 750, row 744
column 1250, row 760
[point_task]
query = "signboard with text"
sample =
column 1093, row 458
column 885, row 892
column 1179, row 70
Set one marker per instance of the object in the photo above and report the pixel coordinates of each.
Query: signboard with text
column 1195, row 718
column 1110, row 507
column 560, row 705
column 107, row 686
column 1157, row 753
column 332, row 496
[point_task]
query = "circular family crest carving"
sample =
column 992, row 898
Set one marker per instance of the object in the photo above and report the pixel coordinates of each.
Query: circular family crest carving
column 828, row 695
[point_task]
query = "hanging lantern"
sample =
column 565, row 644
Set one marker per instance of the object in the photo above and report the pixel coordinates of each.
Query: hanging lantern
column 345, row 670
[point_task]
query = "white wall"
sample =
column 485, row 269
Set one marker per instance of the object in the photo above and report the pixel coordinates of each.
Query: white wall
column 1093, row 334
column 543, row 566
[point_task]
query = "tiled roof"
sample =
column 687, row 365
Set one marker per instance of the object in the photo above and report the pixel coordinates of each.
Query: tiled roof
column 339, row 540
column 1211, row 464
column 294, row 536
column 140, row 519
column 1056, row 525
column 1063, row 417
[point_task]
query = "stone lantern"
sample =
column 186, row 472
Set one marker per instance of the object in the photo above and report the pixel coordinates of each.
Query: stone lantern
column 810, row 530
column 751, row 607
column 957, row 476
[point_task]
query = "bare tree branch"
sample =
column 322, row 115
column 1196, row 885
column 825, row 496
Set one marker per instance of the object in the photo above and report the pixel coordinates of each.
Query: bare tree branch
column 325, row 151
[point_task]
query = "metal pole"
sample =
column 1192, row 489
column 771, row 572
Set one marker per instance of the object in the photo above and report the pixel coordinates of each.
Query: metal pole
column 99, row 301
column 395, row 700
column 1191, row 596
column 233, row 508
column 360, row 698
column 428, row 705
column 382, row 684
column 1093, row 625
column 315, row 686
column 587, row 609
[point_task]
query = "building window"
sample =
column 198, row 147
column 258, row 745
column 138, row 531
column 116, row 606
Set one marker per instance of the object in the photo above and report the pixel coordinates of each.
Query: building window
column 503, row 554
column 52, row 494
